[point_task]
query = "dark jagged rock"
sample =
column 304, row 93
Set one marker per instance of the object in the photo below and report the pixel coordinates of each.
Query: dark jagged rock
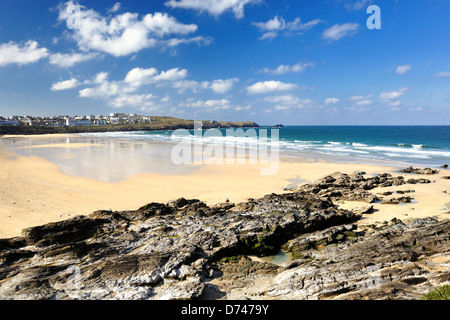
column 186, row 249
column 10, row 256
column 78, row 228
column 399, row 261
column 319, row 239
column 355, row 187
column 406, row 199
column 415, row 181
column 419, row 170
column 13, row 243
column 154, row 209
column 179, row 203
column 405, row 191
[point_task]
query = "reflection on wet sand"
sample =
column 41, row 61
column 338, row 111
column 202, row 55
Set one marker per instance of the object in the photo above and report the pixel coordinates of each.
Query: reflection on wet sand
column 102, row 159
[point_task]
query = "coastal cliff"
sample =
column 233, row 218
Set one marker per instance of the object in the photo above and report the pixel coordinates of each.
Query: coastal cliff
column 185, row 249
column 158, row 123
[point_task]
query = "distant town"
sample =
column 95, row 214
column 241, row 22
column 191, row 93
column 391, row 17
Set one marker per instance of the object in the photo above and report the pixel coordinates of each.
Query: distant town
column 76, row 121
column 25, row 125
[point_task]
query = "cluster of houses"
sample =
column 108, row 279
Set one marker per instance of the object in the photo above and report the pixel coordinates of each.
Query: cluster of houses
column 90, row 120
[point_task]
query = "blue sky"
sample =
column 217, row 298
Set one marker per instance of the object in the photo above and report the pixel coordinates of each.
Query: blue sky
column 291, row 61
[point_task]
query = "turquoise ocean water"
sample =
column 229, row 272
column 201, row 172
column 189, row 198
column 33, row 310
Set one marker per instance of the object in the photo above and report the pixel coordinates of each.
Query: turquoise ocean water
column 420, row 145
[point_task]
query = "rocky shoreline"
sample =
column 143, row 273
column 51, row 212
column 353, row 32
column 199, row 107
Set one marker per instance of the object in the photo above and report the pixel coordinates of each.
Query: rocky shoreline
column 186, row 249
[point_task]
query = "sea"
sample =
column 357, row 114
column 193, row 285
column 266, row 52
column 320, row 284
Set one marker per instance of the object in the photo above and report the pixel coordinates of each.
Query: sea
column 412, row 145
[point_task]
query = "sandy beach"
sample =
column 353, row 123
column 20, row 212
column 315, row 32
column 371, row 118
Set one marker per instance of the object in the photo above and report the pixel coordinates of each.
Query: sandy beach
column 35, row 191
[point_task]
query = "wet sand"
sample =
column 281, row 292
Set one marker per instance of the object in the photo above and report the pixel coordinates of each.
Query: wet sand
column 54, row 180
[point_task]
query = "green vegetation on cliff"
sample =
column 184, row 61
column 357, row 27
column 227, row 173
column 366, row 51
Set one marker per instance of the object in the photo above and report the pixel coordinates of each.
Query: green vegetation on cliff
column 159, row 123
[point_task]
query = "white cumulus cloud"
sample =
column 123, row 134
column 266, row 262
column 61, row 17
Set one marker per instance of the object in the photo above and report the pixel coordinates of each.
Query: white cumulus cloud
column 222, row 86
column 192, row 85
column 134, row 89
column 270, row 86
column 331, row 100
column 283, row 69
column 357, row 5
column 65, row 85
column 286, row 102
column 116, row 7
column 211, row 105
column 122, row 34
column 443, row 74
column 339, row 31
column 274, row 26
column 21, row 54
column 363, row 102
column 138, row 76
column 391, row 98
column 359, row 98
column 403, row 69
column 360, row 101
column 217, row 86
column 65, row 60
column 133, row 100
column 283, row 99
column 213, row 7
column 171, row 75
column 391, row 95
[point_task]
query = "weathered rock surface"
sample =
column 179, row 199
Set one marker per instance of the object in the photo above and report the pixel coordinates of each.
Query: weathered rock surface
column 186, row 249
column 419, row 170
column 158, row 251
column 446, row 207
column 391, row 261
column 398, row 200
column 364, row 209
column 354, row 187
column 399, row 261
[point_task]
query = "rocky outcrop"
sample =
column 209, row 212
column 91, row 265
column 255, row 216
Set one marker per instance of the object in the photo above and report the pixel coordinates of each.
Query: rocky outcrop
column 355, row 187
column 186, row 249
column 396, row 261
column 419, row 170
column 398, row 200
column 446, row 207
column 158, row 251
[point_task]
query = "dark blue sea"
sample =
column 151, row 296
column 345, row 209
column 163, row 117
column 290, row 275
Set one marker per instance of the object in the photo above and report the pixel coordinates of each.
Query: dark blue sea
column 421, row 145
column 409, row 144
